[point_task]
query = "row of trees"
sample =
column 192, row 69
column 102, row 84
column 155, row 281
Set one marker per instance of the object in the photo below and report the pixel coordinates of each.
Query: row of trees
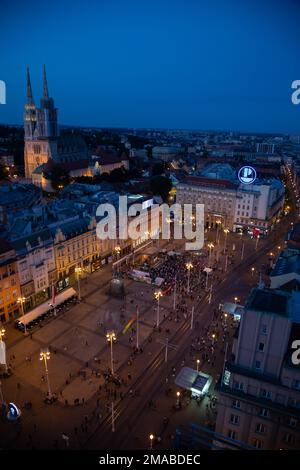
column 158, row 184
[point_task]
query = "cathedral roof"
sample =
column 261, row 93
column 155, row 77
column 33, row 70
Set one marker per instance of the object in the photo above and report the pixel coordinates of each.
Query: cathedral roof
column 70, row 142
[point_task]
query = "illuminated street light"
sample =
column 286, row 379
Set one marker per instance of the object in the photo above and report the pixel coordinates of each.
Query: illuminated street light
column 111, row 338
column 178, row 399
column 2, row 333
column 210, row 246
column 21, row 300
column 157, row 294
column 45, row 356
column 151, row 437
column 226, row 231
column 218, row 222
column 252, row 271
column 198, row 362
column 243, row 246
column 257, row 240
column 78, row 271
column 117, row 251
column 189, row 266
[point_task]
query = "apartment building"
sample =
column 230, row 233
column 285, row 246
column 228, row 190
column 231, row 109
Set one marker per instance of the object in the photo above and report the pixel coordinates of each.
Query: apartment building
column 259, row 400
column 9, row 283
column 35, row 266
column 237, row 206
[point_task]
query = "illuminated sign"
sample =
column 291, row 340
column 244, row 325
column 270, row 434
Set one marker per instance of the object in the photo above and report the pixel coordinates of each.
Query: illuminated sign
column 247, row 175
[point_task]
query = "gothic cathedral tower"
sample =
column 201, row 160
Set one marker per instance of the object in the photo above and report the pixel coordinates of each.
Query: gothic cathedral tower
column 41, row 129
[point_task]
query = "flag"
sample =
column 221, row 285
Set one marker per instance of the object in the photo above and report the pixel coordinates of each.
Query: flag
column 129, row 324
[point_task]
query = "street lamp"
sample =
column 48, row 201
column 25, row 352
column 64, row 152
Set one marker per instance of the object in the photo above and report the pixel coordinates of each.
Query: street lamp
column 243, row 246
column 158, row 294
column 213, row 338
column 45, row 356
column 78, row 271
column 210, row 246
column 189, row 266
column 235, row 300
column 118, row 251
column 21, row 300
column 111, row 338
column 2, row 333
column 252, row 271
column 226, row 231
column 198, row 362
column 257, row 240
column 178, row 399
column 151, row 437
column 218, row 222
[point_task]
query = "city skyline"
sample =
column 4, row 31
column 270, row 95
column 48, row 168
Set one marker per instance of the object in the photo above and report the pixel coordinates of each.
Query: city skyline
column 219, row 73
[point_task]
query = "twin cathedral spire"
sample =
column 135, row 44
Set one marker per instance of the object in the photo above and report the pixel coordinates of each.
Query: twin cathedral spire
column 40, row 122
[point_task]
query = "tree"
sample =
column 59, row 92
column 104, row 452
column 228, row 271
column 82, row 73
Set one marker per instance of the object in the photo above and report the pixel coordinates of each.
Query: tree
column 158, row 168
column 3, row 172
column 118, row 175
column 59, row 177
column 161, row 185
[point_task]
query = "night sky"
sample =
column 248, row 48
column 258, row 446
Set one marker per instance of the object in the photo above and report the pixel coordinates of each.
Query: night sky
column 172, row 64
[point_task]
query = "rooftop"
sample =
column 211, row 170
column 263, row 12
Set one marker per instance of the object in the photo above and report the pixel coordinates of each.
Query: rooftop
column 269, row 301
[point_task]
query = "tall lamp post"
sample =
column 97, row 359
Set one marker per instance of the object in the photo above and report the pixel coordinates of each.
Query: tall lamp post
column 21, row 301
column 218, row 222
column 45, row 356
column 189, row 266
column 243, row 246
column 210, row 246
column 118, row 251
column 111, row 338
column 2, row 333
column 158, row 294
column 256, row 243
column 226, row 231
column 78, row 271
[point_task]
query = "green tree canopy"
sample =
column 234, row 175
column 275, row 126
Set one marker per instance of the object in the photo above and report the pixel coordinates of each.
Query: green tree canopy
column 59, row 176
column 161, row 185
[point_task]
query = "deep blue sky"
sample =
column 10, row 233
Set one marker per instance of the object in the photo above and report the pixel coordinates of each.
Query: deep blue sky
column 175, row 64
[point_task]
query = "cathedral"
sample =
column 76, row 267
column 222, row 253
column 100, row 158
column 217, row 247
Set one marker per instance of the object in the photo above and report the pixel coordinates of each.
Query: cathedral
column 43, row 142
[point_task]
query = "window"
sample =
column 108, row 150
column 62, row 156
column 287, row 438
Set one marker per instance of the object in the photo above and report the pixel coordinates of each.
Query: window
column 257, row 365
column 257, row 443
column 296, row 384
column 261, row 347
column 238, row 385
column 265, row 394
column 264, row 330
column 289, row 438
column 231, row 434
column 264, row 412
column 260, row 428
column 236, row 404
column 234, row 419
column 292, row 422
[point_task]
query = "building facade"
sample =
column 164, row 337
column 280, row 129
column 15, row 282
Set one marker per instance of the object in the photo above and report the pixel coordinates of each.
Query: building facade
column 9, row 283
column 259, row 400
column 36, row 267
